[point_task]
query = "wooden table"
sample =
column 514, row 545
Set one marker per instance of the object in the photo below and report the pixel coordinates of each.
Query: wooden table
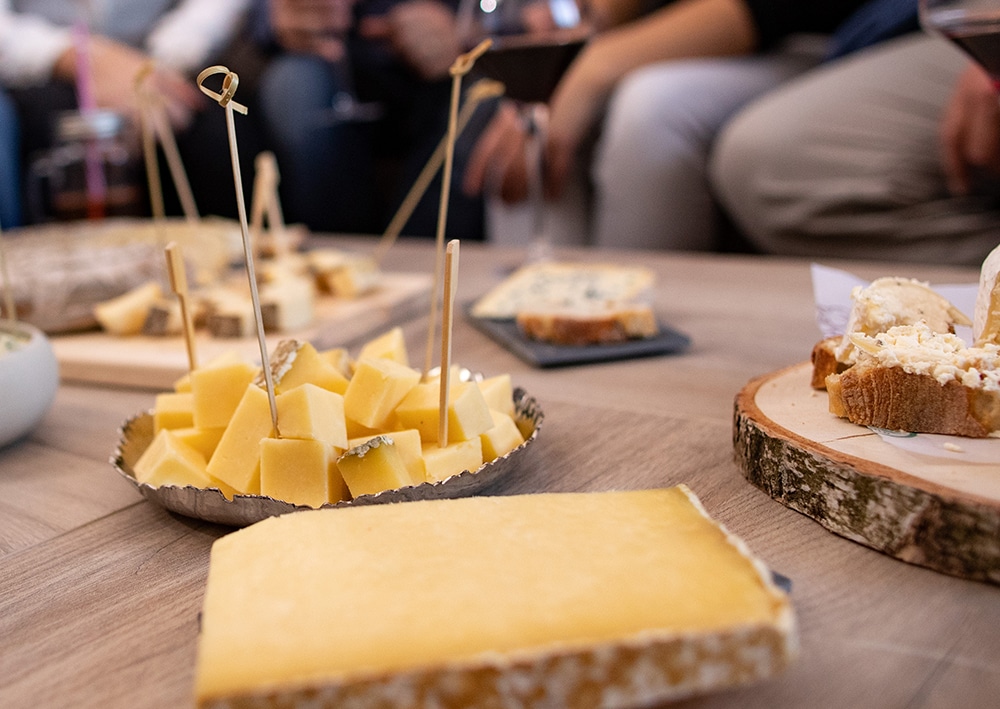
column 100, row 591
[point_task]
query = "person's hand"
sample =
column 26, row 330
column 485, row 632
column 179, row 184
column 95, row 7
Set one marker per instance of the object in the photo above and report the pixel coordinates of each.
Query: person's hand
column 970, row 130
column 423, row 33
column 498, row 163
column 312, row 26
column 114, row 68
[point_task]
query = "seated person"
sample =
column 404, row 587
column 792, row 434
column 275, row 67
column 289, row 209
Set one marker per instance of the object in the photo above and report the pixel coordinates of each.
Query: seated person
column 384, row 65
column 638, row 111
column 39, row 65
column 908, row 169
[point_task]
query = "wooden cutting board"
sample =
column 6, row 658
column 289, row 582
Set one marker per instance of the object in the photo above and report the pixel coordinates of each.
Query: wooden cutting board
column 934, row 511
column 157, row 362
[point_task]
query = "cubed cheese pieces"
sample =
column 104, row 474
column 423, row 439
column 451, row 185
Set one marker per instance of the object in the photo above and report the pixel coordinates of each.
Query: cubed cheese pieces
column 168, row 461
column 236, row 460
column 374, row 466
column 296, row 362
column 441, row 463
column 287, row 303
column 389, row 345
column 173, row 410
column 377, row 386
column 300, row 471
column 499, row 393
column 203, row 440
column 125, row 314
column 311, row 412
column 217, row 390
column 408, row 444
column 468, row 414
column 502, row 438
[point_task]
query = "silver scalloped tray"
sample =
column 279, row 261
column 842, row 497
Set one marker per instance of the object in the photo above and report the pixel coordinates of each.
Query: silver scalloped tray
column 211, row 505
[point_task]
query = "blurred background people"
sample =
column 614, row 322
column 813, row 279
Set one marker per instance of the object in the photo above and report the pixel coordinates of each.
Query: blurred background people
column 892, row 153
column 10, row 165
column 44, row 44
column 354, row 98
column 637, row 113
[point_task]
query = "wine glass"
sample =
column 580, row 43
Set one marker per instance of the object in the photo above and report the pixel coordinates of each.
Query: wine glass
column 973, row 25
column 533, row 43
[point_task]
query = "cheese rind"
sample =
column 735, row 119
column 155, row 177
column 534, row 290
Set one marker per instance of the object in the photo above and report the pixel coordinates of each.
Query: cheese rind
column 488, row 601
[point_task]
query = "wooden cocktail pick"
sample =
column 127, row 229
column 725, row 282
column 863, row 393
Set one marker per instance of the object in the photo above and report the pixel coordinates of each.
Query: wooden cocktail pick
column 480, row 91
column 266, row 203
column 230, row 80
column 156, row 127
column 178, row 284
column 461, row 67
column 8, row 288
column 447, row 320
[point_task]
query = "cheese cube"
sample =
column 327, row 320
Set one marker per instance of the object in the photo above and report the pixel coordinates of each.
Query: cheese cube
column 374, row 466
column 612, row 599
column 296, row 362
column 288, row 303
column 229, row 357
column 377, row 386
column 125, row 314
column 339, row 358
column 173, row 410
column 236, row 460
column 168, row 461
column 308, row 411
column 441, row 463
column 468, row 414
column 408, row 444
column 203, row 440
column 217, row 390
column 389, row 345
column 502, row 438
column 300, row 471
column 499, row 393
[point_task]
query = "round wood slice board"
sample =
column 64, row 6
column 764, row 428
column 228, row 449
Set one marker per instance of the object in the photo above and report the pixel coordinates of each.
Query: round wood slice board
column 931, row 511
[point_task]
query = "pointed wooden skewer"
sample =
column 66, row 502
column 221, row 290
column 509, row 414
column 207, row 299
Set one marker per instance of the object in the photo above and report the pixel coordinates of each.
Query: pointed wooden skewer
column 447, row 320
column 478, row 92
column 8, row 288
column 156, row 126
column 178, row 284
column 230, row 81
column 461, row 67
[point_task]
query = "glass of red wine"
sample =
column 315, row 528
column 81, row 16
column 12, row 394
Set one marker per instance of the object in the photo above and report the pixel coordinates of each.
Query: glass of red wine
column 533, row 43
column 973, row 25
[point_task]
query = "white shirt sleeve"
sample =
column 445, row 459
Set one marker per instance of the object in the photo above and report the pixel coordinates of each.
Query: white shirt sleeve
column 29, row 47
column 187, row 37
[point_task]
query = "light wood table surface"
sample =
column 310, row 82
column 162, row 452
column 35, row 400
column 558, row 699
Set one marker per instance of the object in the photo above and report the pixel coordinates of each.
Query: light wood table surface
column 100, row 590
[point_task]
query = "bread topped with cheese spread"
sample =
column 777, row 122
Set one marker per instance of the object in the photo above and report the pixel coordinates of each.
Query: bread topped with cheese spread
column 920, row 378
column 575, row 303
column 885, row 303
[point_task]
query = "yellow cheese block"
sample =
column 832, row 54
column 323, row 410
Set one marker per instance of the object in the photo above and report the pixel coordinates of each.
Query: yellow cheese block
column 300, row 471
column 169, row 461
column 173, row 410
column 441, row 463
column 309, row 411
column 374, row 466
column 499, row 393
column 468, row 414
column 183, row 383
column 217, row 390
column 236, row 460
column 408, row 444
column 389, row 345
column 203, row 440
column 574, row 600
column 296, row 362
column 377, row 386
column 502, row 438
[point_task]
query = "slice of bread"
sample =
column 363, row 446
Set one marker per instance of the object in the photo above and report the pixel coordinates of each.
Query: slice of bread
column 913, row 379
column 589, row 326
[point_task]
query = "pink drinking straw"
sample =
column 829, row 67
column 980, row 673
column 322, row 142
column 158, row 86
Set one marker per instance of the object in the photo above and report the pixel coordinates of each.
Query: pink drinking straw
column 96, row 187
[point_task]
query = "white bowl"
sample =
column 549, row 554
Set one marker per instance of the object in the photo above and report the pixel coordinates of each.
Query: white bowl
column 29, row 377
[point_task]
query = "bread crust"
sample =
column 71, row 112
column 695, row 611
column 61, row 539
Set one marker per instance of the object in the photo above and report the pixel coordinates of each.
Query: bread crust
column 589, row 328
column 892, row 398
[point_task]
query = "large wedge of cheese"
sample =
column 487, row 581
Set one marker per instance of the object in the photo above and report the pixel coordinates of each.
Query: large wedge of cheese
column 560, row 600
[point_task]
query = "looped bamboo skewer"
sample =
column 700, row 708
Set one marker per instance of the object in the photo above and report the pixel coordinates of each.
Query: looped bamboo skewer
column 225, row 99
